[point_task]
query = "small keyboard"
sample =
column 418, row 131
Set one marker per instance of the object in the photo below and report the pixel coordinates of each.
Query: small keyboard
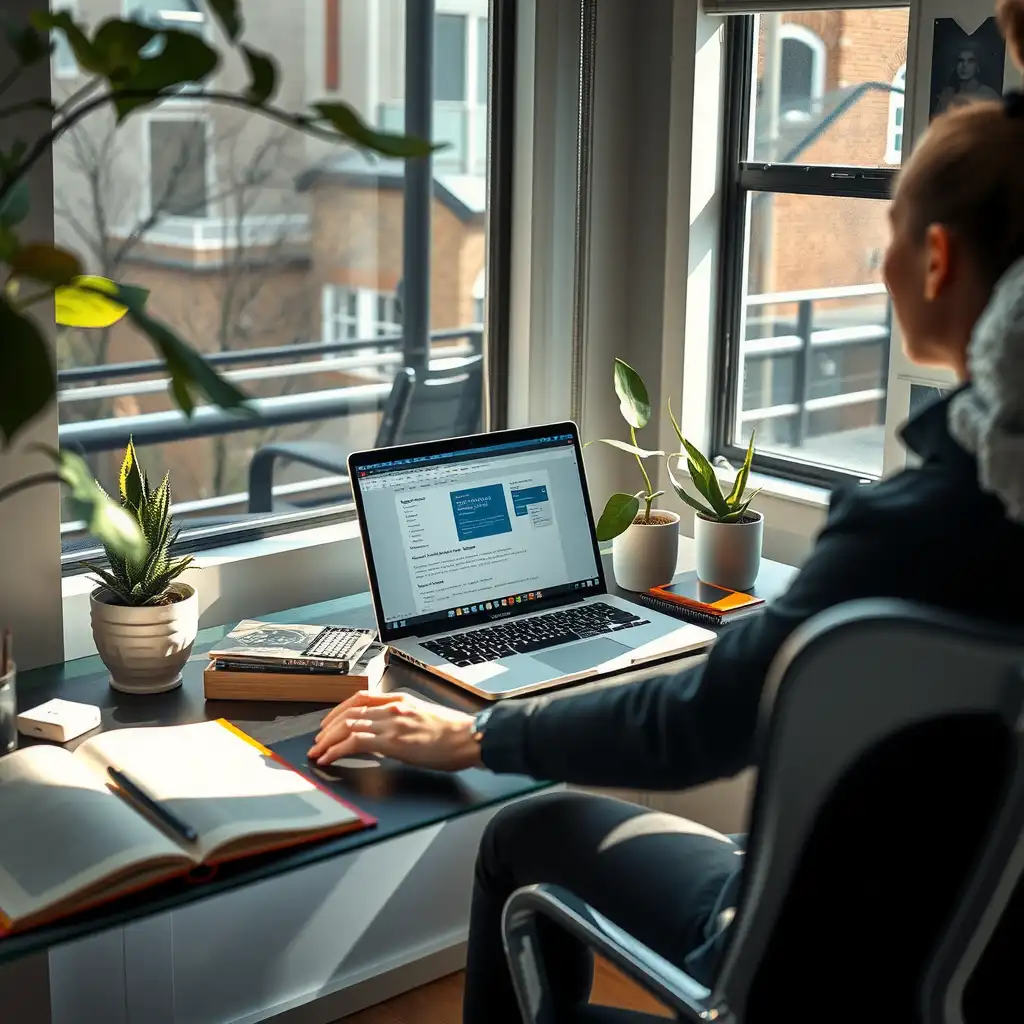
column 340, row 643
column 536, row 633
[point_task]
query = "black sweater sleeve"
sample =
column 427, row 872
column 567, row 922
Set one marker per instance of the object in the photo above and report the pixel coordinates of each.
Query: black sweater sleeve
column 691, row 726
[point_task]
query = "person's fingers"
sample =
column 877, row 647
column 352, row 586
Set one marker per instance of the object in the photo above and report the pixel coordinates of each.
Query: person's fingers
column 363, row 699
column 354, row 743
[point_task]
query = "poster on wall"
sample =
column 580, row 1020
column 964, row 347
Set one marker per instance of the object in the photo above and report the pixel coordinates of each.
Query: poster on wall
column 965, row 65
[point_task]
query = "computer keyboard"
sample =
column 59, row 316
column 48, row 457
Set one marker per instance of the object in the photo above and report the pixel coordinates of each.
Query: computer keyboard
column 536, row 633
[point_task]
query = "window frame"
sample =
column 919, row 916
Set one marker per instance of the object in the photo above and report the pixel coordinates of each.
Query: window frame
column 897, row 105
column 502, row 17
column 196, row 113
column 741, row 177
column 808, row 37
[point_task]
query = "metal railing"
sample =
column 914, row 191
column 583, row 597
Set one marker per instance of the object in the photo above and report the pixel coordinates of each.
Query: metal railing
column 798, row 337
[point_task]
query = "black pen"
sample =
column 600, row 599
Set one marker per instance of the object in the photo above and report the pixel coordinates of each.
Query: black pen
column 140, row 796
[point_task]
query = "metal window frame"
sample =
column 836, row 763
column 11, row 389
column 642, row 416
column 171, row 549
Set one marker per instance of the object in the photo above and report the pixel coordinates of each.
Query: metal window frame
column 502, row 25
column 741, row 177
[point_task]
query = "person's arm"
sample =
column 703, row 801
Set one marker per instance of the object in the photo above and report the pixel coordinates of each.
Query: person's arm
column 695, row 725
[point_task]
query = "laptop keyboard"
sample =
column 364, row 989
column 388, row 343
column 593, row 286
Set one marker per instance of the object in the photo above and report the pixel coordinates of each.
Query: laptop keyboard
column 536, row 633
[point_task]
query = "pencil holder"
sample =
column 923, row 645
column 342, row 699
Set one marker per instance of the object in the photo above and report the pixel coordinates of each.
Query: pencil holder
column 8, row 711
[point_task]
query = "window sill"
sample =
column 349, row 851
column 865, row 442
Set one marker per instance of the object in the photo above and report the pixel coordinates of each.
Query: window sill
column 789, row 490
column 246, row 580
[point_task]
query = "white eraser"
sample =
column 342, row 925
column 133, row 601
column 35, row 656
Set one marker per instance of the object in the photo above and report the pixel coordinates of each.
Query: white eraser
column 59, row 720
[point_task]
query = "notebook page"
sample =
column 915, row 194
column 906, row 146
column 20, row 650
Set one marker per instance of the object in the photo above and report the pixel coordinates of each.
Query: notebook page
column 62, row 831
column 215, row 781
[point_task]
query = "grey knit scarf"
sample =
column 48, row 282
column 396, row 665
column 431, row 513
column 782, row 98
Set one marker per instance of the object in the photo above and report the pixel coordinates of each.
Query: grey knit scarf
column 988, row 418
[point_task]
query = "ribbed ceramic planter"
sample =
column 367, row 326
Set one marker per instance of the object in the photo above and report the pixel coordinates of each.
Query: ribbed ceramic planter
column 145, row 648
column 645, row 555
column 729, row 554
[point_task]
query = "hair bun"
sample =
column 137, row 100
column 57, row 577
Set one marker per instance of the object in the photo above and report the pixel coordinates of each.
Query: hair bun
column 1011, row 21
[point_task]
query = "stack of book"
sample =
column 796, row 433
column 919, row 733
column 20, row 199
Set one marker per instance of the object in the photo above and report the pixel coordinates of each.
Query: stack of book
column 272, row 661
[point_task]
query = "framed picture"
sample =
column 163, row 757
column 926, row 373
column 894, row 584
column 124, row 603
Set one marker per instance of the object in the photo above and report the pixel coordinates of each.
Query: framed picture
column 965, row 66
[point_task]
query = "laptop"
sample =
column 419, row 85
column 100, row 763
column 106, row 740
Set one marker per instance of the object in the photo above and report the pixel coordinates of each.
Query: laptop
column 484, row 565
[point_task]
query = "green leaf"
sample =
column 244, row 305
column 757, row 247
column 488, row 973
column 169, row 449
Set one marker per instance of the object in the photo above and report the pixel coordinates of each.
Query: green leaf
column 46, row 263
column 262, row 76
column 131, row 484
column 189, row 371
column 85, row 53
column 708, row 486
column 634, row 402
column 29, row 45
column 740, row 483
column 656, row 494
column 8, row 244
column 14, row 206
column 685, row 496
column 118, row 45
column 230, row 17
column 108, row 580
column 112, row 525
column 624, row 446
column 27, row 376
column 184, row 57
column 347, row 123
column 618, row 515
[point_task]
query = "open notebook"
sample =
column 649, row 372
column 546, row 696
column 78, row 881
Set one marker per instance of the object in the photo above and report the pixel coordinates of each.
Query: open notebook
column 69, row 838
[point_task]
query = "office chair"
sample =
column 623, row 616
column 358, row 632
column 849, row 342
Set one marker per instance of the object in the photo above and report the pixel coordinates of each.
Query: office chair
column 445, row 402
column 883, row 872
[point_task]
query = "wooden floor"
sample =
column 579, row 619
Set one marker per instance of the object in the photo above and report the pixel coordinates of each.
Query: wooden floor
column 440, row 1002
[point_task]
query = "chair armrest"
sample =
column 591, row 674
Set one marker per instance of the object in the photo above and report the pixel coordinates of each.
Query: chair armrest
column 663, row 980
column 318, row 454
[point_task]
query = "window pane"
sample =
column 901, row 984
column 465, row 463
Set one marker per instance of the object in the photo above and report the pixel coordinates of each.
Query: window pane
column 450, row 57
column 816, row 330
column 254, row 241
column 482, row 60
column 829, row 86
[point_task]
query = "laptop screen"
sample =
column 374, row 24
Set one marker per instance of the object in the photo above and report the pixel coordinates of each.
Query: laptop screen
column 474, row 533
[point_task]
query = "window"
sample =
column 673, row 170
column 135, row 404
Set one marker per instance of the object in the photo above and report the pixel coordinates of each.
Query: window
column 803, row 304
column 64, row 64
column 178, row 167
column 894, row 141
column 267, row 250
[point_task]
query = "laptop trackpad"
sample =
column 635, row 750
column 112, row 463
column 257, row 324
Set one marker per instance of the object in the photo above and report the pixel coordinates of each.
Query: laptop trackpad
column 581, row 656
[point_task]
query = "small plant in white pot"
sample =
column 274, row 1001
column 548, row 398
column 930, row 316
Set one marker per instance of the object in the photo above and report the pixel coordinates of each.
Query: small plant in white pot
column 645, row 540
column 727, row 533
column 144, row 623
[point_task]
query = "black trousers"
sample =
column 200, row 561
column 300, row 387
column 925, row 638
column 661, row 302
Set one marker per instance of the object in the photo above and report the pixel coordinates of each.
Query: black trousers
column 656, row 875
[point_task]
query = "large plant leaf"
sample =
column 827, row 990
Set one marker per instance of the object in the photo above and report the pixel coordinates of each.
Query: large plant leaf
column 29, row 45
column 347, row 122
column 229, row 16
column 643, row 453
column 189, row 372
column 118, row 45
column 183, row 57
column 703, row 474
column 131, row 483
column 106, row 520
column 15, row 204
column 697, row 506
column 634, row 402
column 262, row 76
column 88, row 302
column 618, row 515
column 740, row 483
column 85, row 53
column 47, row 263
column 27, row 376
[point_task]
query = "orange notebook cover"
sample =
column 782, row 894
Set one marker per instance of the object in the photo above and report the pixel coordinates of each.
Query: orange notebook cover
column 240, row 797
column 686, row 591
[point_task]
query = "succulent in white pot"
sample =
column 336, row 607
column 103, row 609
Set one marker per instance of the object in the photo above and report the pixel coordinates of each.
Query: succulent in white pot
column 645, row 540
column 727, row 533
column 143, row 621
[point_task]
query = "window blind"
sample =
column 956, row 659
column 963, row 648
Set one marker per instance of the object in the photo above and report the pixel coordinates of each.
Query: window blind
column 778, row 6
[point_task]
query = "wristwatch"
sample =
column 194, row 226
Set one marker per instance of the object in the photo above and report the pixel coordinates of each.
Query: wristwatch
column 480, row 723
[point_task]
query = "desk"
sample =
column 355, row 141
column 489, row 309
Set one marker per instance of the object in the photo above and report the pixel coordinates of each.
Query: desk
column 407, row 803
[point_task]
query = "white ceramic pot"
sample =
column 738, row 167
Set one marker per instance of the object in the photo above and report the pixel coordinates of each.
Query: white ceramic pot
column 645, row 555
column 145, row 647
column 729, row 554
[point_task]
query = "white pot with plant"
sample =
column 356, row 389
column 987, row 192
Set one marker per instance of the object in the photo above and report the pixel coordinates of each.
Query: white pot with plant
column 727, row 533
column 144, row 623
column 645, row 540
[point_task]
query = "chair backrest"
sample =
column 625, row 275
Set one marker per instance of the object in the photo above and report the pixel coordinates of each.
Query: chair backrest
column 442, row 402
column 886, row 819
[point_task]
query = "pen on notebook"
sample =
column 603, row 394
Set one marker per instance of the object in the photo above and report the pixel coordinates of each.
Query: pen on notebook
column 159, row 810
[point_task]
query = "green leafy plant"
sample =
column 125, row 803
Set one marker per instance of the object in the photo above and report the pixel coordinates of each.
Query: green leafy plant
column 129, row 66
column 717, row 505
column 622, row 510
column 142, row 579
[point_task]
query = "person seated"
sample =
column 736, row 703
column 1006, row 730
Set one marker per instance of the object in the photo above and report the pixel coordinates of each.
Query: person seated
column 955, row 270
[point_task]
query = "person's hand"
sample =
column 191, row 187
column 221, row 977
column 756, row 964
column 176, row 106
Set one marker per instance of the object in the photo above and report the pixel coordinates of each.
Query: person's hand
column 401, row 726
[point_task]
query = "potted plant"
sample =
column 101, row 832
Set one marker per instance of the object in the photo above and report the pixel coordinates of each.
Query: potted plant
column 645, row 541
column 727, row 533
column 144, row 623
